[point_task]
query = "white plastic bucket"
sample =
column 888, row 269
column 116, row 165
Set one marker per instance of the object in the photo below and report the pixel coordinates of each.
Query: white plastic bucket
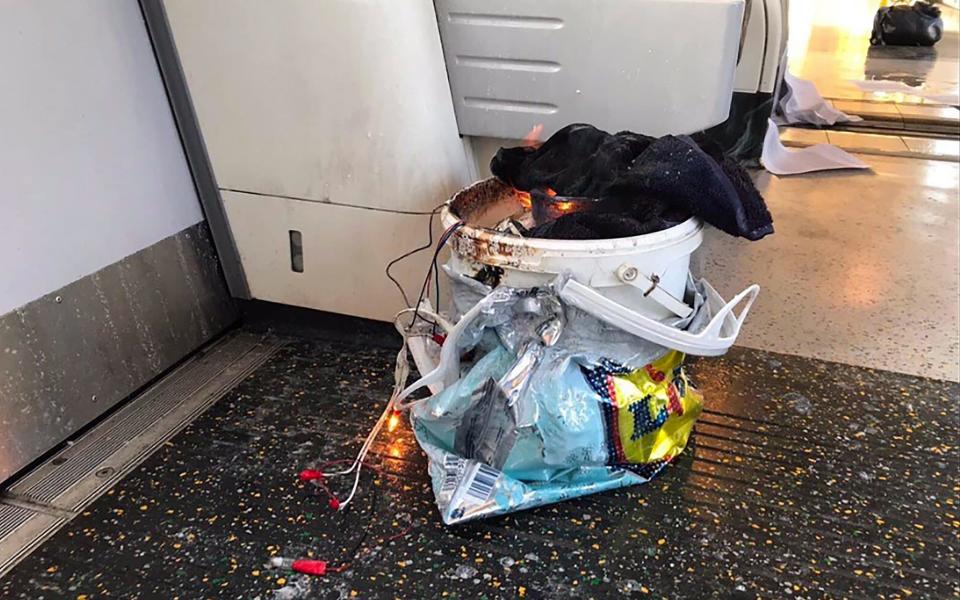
column 631, row 283
column 642, row 272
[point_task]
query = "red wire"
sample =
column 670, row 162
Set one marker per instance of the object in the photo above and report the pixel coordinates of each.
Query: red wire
column 367, row 551
column 322, row 485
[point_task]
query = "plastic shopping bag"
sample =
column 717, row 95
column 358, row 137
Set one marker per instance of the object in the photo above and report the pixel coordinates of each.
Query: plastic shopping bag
column 575, row 421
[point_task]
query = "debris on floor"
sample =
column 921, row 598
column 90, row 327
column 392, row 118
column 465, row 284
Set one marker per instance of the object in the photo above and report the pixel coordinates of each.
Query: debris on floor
column 733, row 510
column 780, row 160
column 801, row 103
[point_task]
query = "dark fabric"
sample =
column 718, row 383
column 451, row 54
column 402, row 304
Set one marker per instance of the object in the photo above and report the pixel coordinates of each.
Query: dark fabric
column 577, row 161
column 642, row 184
column 544, row 205
column 741, row 135
column 918, row 24
column 593, row 226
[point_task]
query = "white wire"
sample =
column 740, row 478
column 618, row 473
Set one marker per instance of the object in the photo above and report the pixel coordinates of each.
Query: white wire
column 400, row 374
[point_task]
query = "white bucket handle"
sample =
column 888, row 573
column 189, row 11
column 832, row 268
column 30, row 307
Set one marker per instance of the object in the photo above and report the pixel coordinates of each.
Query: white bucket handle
column 715, row 339
column 448, row 368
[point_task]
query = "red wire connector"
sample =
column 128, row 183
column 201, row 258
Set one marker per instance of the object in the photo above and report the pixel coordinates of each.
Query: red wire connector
column 306, row 566
column 311, row 475
column 310, row 567
column 317, row 476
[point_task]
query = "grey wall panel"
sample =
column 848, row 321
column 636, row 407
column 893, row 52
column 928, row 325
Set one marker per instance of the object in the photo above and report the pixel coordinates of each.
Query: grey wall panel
column 93, row 169
column 331, row 118
column 68, row 356
column 652, row 66
column 168, row 60
column 338, row 101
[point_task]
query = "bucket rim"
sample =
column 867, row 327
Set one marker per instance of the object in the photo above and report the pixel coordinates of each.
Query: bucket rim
column 647, row 241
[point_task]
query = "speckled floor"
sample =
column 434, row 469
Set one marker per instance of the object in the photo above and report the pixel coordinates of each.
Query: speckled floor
column 862, row 269
column 805, row 479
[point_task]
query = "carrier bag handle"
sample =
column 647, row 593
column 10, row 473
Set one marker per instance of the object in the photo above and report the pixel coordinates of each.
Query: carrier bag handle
column 715, row 339
column 448, row 368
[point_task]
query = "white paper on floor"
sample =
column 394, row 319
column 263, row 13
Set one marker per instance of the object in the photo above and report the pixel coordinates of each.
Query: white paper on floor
column 802, row 103
column 898, row 87
column 820, row 157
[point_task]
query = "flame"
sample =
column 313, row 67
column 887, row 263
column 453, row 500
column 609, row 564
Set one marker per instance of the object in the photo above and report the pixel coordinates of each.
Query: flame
column 393, row 422
column 524, row 198
column 551, row 192
column 532, row 139
column 564, row 206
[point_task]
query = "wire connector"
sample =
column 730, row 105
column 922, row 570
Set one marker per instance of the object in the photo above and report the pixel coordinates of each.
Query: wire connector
column 310, row 567
column 307, row 566
column 311, row 475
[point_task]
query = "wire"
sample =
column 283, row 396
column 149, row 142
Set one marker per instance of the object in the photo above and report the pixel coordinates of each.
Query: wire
column 444, row 237
column 429, row 244
column 356, row 555
column 400, row 375
column 353, row 554
column 401, row 370
column 360, row 550
column 436, row 290
column 368, row 550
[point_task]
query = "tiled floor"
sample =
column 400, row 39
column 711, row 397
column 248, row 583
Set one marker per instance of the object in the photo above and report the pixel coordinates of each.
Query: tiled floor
column 830, row 45
column 890, row 144
column 795, row 136
column 862, row 269
column 929, row 114
column 943, row 148
column 909, row 117
column 867, row 142
column 875, row 111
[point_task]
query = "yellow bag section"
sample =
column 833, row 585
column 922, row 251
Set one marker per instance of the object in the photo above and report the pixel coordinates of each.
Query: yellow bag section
column 650, row 389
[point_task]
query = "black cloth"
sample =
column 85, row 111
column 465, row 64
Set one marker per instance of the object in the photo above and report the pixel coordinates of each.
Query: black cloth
column 577, row 161
column 918, row 24
column 661, row 181
column 598, row 226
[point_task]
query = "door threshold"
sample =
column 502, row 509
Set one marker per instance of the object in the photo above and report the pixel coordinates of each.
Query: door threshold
column 34, row 507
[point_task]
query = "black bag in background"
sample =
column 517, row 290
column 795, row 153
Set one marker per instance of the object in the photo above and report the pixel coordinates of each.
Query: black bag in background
column 918, row 24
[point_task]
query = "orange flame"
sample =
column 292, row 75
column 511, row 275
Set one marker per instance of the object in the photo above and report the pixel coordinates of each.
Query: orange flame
column 551, row 192
column 532, row 139
column 564, row 206
column 524, row 198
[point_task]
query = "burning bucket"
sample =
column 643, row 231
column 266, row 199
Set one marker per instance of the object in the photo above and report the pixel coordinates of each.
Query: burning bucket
column 533, row 401
column 639, row 284
column 558, row 370
column 645, row 273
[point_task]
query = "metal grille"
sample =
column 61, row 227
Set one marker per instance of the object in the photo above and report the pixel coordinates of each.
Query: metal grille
column 209, row 376
column 12, row 517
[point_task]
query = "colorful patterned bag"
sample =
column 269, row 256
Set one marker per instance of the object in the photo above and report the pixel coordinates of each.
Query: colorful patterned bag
column 577, row 424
